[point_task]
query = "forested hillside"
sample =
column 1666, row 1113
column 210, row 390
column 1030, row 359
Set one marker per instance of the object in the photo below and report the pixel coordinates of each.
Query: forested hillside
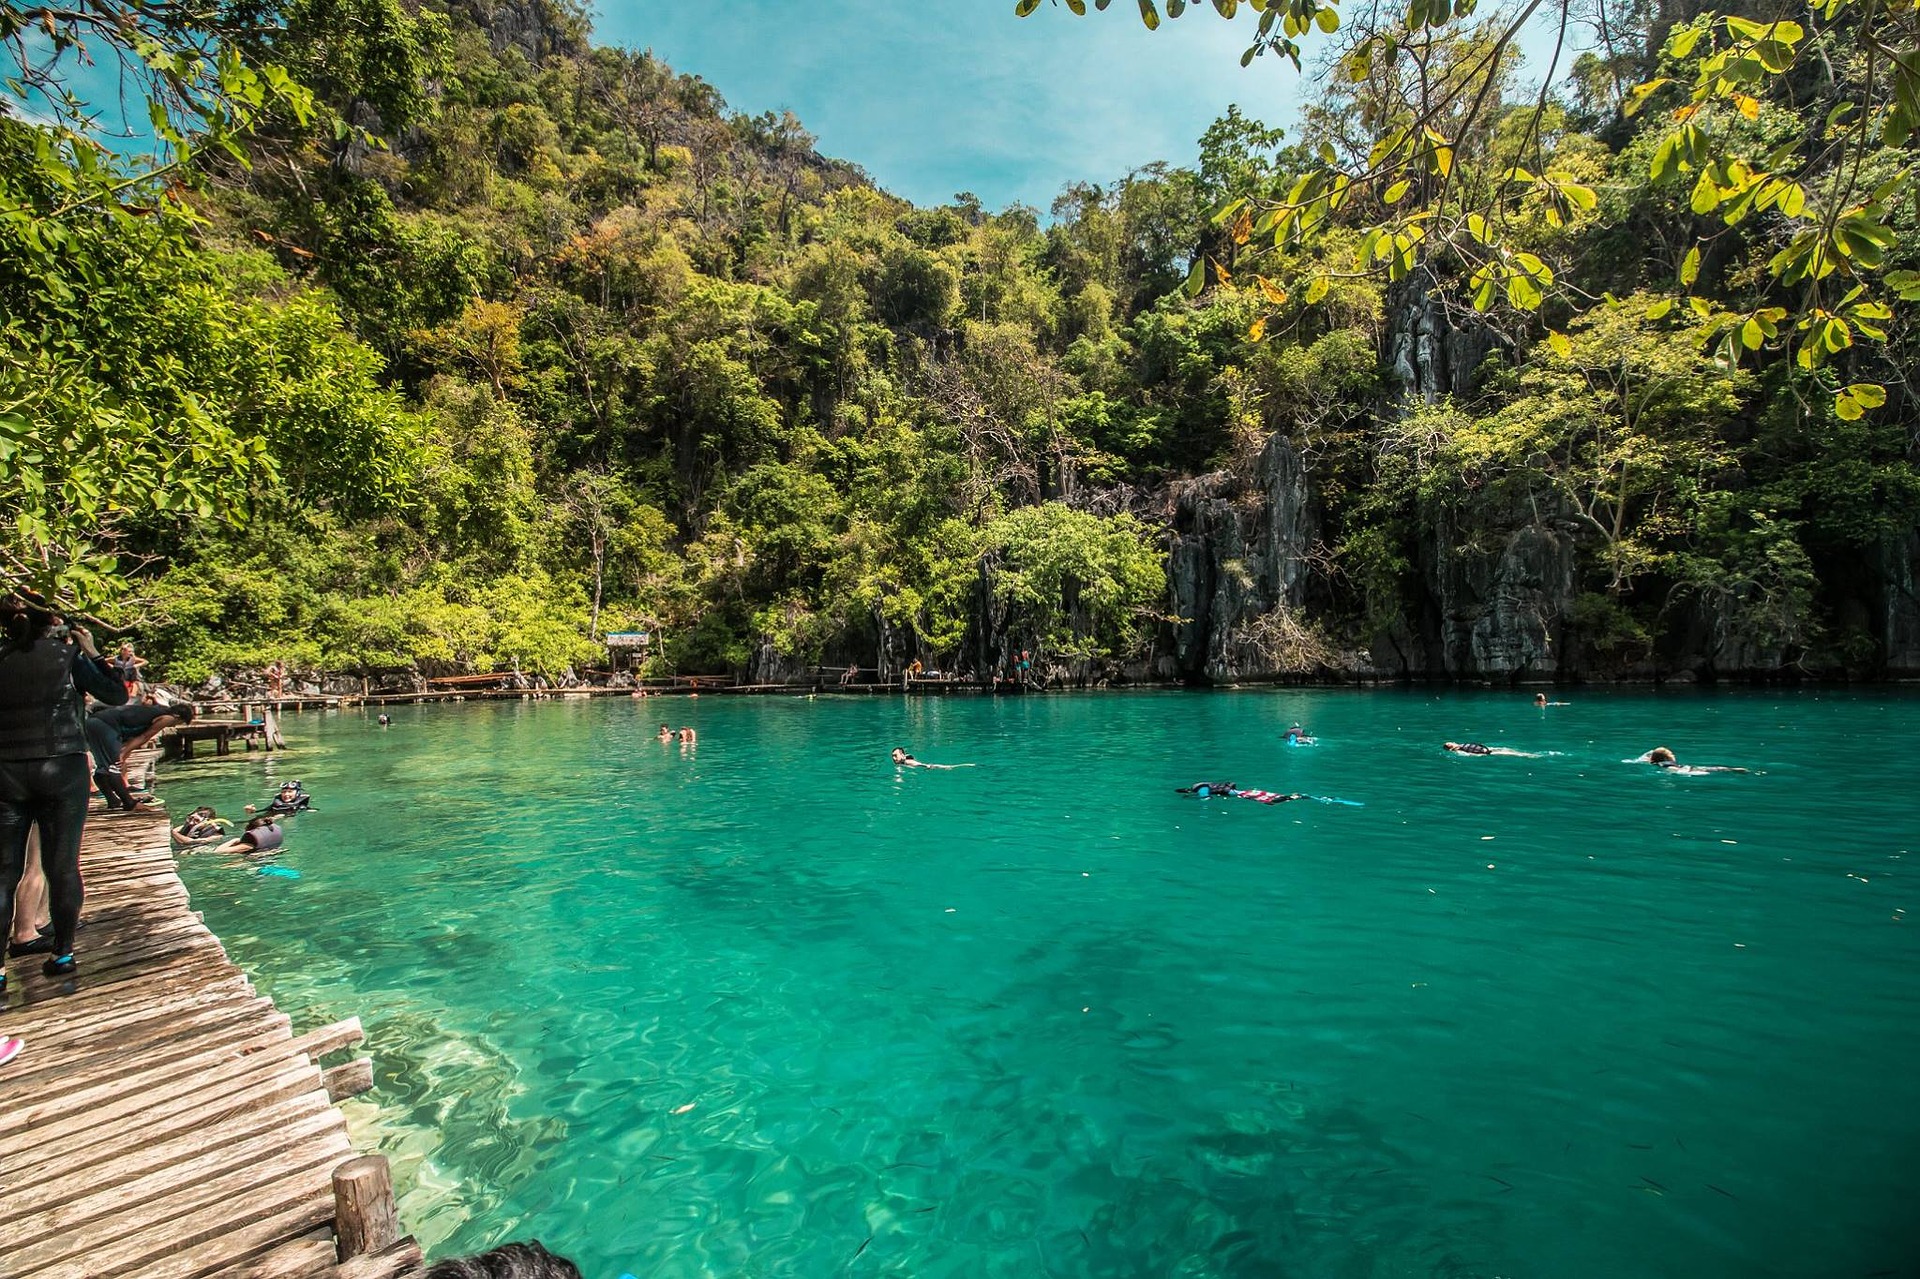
column 514, row 340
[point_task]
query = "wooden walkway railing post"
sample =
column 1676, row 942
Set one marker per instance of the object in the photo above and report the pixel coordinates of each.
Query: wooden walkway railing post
column 363, row 1213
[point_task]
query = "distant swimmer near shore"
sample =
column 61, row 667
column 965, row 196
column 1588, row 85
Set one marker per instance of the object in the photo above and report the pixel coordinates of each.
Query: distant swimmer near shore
column 1540, row 700
column 1475, row 748
column 1298, row 736
column 1662, row 758
column 904, row 760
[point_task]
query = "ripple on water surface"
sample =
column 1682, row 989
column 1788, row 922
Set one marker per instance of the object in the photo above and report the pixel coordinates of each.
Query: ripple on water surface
column 770, row 1007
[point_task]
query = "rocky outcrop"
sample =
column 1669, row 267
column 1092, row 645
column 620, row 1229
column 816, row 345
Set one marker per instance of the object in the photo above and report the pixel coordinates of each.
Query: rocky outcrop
column 1499, row 605
column 1430, row 351
column 539, row 29
column 1899, row 620
column 1237, row 572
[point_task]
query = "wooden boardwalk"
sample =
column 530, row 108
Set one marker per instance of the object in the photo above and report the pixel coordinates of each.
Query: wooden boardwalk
column 164, row 1121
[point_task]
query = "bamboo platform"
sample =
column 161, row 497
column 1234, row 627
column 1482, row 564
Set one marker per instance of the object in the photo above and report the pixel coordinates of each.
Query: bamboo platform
column 163, row 1120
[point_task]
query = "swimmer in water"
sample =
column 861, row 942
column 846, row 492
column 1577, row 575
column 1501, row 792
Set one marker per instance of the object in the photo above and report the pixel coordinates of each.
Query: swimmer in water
column 200, row 827
column 1662, row 758
column 385, row 721
column 261, row 836
column 292, row 798
column 1475, row 748
column 687, row 736
column 1207, row 790
column 1297, row 736
column 902, row 759
column 664, row 735
column 1540, row 700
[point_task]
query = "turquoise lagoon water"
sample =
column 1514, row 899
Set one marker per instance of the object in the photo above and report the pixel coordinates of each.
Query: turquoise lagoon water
column 772, row 1008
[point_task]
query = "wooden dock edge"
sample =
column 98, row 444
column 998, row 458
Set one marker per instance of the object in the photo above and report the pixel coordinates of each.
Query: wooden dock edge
column 163, row 1120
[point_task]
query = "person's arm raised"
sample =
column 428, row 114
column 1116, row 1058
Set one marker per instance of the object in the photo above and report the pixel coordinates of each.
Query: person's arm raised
column 91, row 673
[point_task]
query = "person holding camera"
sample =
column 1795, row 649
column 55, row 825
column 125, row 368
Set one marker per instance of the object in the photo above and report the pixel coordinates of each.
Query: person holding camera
column 46, row 669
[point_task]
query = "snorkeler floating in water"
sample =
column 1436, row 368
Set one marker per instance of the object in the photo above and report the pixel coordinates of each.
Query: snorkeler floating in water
column 1207, row 790
column 1665, row 760
column 1227, row 790
column 903, row 760
column 1476, row 748
column 261, row 836
column 1540, row 700
column 1298, row 736
column 201, row 827
column 292, row 798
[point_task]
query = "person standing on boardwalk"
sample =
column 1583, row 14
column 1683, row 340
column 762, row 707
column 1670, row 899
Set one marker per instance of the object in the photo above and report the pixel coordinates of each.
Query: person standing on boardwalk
column 276, row 676
column 127, row 665
column 45, row 668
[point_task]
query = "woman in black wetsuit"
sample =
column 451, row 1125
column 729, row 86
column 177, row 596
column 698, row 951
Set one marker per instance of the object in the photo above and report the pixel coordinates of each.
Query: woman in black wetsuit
column 44, row 669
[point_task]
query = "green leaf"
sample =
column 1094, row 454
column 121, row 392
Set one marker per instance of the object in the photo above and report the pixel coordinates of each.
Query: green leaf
column 1905, row 285
column 1659, row 309
column 1870, row 394
column 1196, row 277
column 1690, row 267
column 1397, row 191
column 1149, row 15
column 1848, row 407
column 1025, row 7
column 1560, row 344
column 1317, row 289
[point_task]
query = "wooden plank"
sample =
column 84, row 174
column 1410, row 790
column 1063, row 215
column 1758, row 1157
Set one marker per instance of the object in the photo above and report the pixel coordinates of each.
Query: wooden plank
column 115, row 1028
column 88, row 1007
column 89, row 1148
column 234, row 1085
column 157, row 967
column 327, row 1039
column 93, row 1077
column 125, row 1163
column 317, row 1134
column 400, row 1258
column 202, row 1073
column 151, row 1043
column 349, row 1079
column 301, row 1259
column 266, row 1221
column 146, row 1232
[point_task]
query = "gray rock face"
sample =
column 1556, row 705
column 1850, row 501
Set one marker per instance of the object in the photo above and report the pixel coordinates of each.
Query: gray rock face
column 1428, row 354
column 1900, row 604
column 1501, row 609
column 1237, row 571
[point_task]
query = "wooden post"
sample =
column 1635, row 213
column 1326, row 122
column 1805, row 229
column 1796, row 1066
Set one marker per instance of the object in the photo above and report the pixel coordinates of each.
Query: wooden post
column 364, row 1217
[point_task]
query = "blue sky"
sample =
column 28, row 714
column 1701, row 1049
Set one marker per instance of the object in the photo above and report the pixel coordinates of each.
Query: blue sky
column 932, row 97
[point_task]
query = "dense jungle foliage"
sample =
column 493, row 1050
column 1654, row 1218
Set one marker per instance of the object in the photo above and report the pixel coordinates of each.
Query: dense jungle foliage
column 455, row 342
